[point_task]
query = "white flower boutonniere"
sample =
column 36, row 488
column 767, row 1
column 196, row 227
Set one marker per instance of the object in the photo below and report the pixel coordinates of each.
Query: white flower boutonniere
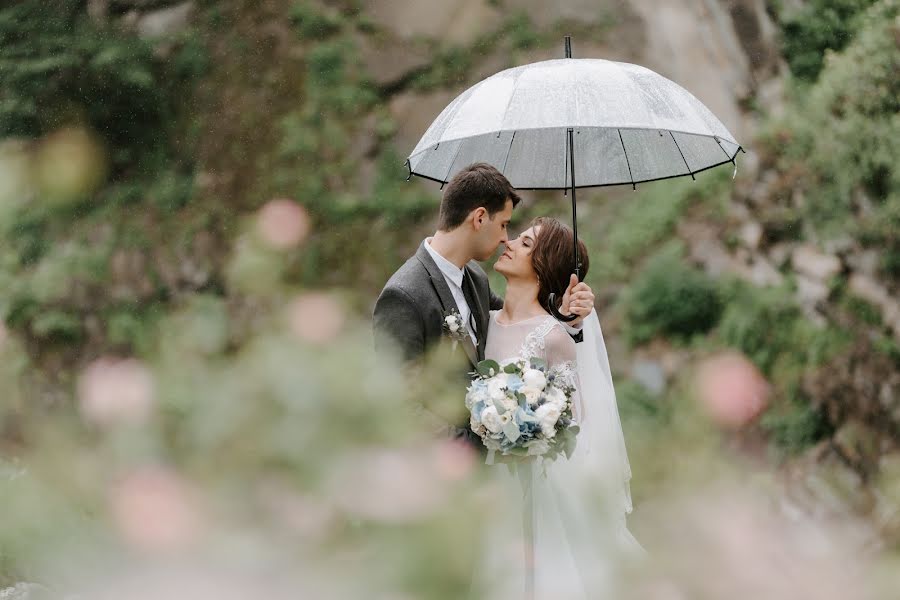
column 454, row 328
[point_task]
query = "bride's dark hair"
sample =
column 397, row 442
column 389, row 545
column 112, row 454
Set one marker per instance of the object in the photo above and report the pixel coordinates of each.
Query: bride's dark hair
column 553, row 258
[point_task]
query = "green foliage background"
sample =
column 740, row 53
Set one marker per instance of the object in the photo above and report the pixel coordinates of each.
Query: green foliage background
column 199, row 135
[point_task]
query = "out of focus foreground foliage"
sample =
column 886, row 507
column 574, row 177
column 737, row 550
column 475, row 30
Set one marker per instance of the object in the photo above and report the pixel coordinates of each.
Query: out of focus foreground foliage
column 193, row 231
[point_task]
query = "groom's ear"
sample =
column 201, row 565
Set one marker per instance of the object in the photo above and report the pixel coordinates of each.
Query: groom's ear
column 479, row 216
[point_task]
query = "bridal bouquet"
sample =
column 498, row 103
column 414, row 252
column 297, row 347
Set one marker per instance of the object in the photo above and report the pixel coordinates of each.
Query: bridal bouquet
column 523, row 408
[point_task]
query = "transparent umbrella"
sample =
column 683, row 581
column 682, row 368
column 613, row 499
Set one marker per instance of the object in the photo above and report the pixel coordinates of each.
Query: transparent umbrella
column 575, row 123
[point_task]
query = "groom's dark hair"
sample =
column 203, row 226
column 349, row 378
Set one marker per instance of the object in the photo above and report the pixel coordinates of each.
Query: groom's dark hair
column 479, row 184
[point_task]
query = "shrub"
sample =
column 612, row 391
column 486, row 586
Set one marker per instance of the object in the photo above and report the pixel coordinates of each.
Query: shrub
column 841, row 135
column 819, row 26
column 795, row 426
column 759, row 323
column 55, row 66
column 312, row 24
column 670, row 298
column 522, row 35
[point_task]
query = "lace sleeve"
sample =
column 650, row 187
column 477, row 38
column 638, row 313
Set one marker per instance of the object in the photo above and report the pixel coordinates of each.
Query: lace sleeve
column 559, row 347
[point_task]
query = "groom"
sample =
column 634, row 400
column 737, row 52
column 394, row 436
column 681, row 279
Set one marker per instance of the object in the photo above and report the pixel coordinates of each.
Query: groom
column 443, row 280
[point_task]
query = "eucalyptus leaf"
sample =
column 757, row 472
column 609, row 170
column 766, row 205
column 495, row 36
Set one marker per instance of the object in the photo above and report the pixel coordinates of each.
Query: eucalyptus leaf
column 511, row 430
column 538, row 363
column 484, row 368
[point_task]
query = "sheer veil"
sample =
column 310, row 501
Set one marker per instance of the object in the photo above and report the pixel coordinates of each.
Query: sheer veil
column 601, row 443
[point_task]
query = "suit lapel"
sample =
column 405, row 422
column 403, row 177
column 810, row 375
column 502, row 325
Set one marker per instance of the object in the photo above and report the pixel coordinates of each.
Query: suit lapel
column 446, row 298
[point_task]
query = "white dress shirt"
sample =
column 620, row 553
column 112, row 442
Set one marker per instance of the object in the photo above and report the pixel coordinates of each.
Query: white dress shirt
column 453, row 275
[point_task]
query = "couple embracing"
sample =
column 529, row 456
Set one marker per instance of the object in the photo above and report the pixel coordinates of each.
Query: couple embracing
column 442, row 292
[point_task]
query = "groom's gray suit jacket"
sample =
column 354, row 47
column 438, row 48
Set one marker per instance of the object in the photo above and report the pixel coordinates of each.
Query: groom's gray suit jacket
column 410, row 311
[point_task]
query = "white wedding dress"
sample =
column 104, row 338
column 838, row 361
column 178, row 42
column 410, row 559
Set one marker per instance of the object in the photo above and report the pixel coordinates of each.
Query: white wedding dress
column 560, row 530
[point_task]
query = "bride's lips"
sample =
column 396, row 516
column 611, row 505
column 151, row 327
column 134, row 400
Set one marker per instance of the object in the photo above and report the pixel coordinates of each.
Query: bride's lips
column 505, row 255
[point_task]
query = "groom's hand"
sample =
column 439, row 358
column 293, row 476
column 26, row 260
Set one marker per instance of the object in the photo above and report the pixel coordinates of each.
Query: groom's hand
column 578, row 300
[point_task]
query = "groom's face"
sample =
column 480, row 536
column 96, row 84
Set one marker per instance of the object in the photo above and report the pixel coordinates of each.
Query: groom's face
column 493, row 232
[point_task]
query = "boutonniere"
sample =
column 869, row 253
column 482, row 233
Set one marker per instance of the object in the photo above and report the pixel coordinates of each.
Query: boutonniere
column 454, row 328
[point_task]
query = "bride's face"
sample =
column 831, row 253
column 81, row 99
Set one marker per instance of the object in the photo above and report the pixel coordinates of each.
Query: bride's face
column 516, row 258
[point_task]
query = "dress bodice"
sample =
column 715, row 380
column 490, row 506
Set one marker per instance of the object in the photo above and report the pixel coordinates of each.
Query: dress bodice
column 538, row 337
column 541, row 337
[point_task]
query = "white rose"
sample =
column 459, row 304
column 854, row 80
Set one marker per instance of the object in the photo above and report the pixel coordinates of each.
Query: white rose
column 548, row 414
column 538, row 447
column 556, row 397
column 454, row 327
column 491, row 419
column 534, row 379
column 531, row 394
column 497, row 387
column 505, row 418
column 508, row 403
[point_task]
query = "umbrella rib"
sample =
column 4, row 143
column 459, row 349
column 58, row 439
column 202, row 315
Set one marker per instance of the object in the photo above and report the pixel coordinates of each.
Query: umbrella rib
column 687, row 166
column 627, row 162
column 452, row 162
column 506, row 160
column 730, row 158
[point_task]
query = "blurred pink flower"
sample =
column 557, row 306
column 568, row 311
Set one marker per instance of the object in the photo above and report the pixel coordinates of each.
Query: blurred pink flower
column 154, row 511
column 455, row 460
column 112, row 391
column 283, row 223
column 315, row 317
column 302, row 514
column 732, row 390
column 394, row 486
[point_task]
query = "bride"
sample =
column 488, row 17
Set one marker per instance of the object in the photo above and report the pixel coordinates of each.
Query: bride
column 565, row 520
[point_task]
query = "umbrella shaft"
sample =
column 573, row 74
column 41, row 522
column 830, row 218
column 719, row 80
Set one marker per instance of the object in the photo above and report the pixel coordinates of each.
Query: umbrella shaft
column 571, row 145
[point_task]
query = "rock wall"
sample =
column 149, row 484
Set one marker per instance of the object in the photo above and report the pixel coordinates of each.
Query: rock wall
column 723, row 51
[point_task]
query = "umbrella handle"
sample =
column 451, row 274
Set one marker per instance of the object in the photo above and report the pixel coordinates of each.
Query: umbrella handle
column 551, row 306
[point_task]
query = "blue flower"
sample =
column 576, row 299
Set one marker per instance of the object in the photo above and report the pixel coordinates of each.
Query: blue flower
column 477, row 409
column 514, row 383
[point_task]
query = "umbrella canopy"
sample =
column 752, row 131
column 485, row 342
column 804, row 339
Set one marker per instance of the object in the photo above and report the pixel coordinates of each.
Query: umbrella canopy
column 630, row 124
column 611, row 123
